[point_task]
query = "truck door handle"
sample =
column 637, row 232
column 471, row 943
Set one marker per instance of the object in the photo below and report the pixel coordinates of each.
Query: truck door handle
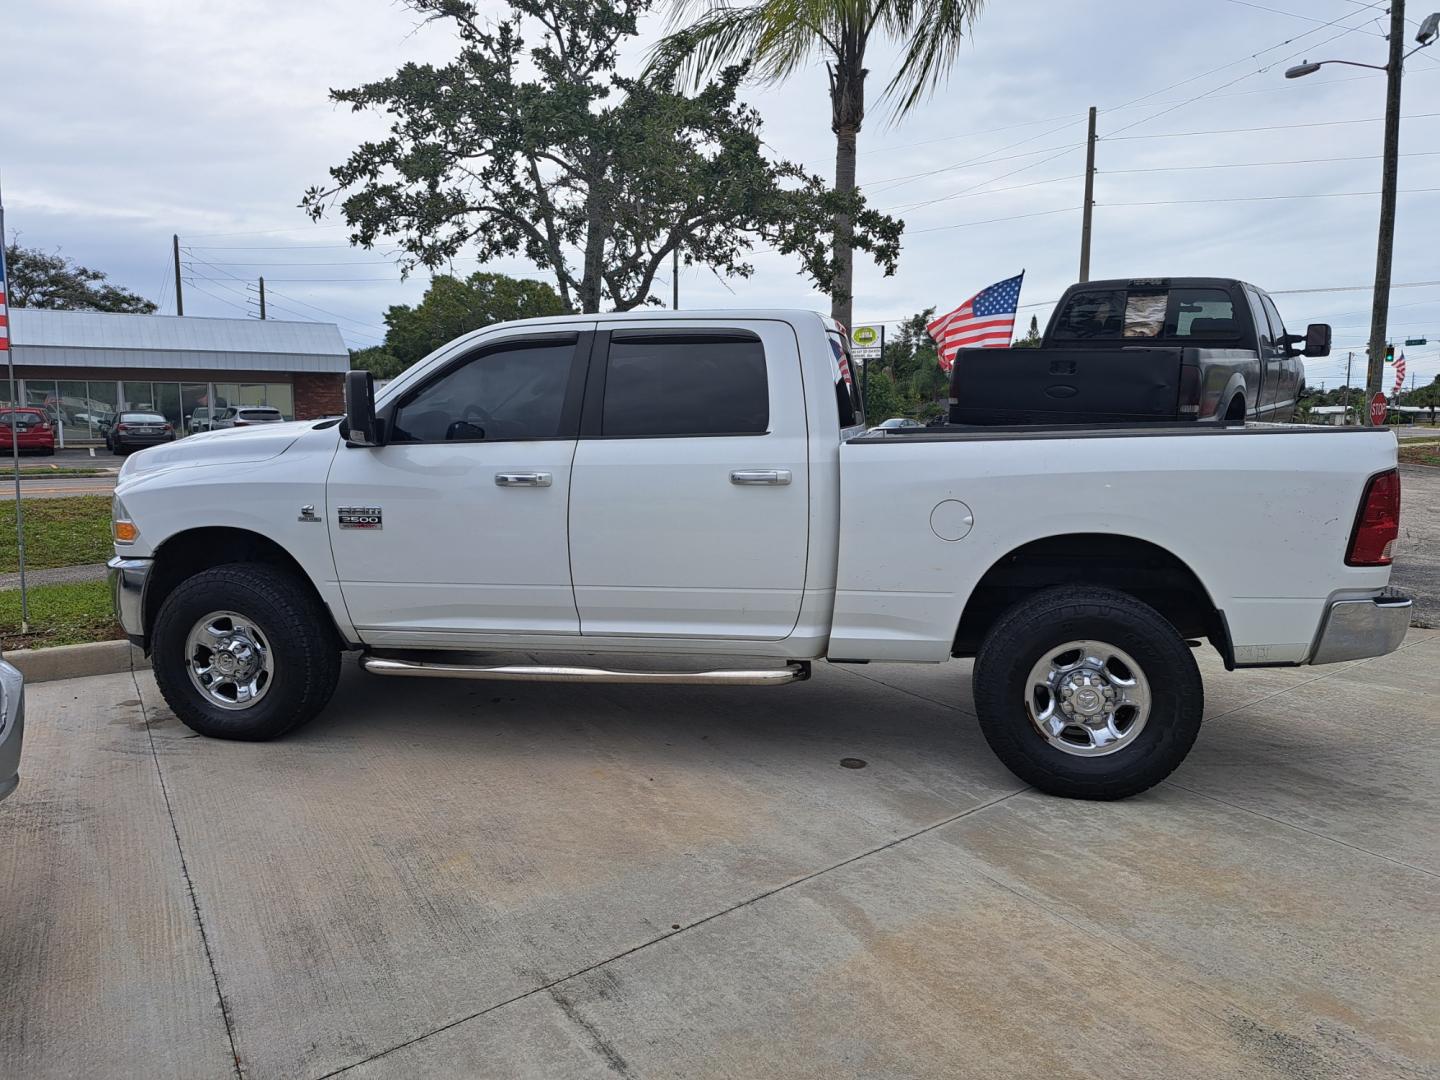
column 522, row 479
column 746, row 477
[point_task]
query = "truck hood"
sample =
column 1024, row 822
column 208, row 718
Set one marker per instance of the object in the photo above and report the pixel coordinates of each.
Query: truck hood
column 228, row 446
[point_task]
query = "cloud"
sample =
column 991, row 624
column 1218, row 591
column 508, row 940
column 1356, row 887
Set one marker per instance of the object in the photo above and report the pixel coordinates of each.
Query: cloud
column 142, row 118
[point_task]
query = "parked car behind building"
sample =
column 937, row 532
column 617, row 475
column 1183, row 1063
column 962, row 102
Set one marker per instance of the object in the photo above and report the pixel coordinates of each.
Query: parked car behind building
column 137, row 430
column 246, row 415
column 29, row 429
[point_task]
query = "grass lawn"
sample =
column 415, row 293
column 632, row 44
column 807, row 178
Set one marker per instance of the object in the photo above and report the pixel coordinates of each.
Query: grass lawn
column 59, row 615
column 1421, row 454
column 58, row 532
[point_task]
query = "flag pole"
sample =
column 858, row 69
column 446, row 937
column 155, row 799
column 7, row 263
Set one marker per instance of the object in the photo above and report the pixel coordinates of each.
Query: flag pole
column 14, row 430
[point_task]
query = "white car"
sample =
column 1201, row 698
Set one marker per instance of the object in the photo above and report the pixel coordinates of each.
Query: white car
column 246, row 416
column 12, row 726
column 703, row 485
column 897, row 423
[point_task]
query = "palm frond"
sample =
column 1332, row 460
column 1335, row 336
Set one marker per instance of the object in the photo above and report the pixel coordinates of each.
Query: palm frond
column 931, row 32
column 774, row 37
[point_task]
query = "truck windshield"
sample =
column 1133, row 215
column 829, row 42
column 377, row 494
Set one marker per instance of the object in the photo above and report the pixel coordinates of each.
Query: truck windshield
column 1193, row 314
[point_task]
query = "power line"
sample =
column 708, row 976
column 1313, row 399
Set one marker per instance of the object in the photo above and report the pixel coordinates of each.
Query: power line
column 990, row 221
column 1271, row 127
column 1292, row 14
column 218, row 299
column 262, row 232
column 1247, row 75
column 1267, row 198
column 1261, row 164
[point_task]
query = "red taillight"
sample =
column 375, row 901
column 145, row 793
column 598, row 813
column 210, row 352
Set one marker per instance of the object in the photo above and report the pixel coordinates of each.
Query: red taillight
column 1372, row 542
column 242, row 423
column 122, row 427
column 1189, row 405
column 170, row 428
column 42, row 426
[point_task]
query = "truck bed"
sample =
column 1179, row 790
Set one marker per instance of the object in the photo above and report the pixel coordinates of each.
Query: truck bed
column 1120, row 429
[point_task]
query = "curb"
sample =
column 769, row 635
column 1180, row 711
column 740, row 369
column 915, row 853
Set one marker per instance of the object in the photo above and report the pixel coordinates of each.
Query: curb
column 77, row 661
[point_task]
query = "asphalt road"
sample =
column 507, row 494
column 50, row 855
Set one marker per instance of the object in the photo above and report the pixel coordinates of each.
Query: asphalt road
column 53, row 487
column 1417, row 555
column 438, row 879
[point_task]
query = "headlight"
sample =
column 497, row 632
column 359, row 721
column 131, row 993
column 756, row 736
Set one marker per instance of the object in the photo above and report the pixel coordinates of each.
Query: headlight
column 124, row 531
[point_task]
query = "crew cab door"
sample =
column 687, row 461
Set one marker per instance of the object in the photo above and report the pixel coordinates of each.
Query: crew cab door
column 457, row 525
column 689, row 500
column 1272, row 357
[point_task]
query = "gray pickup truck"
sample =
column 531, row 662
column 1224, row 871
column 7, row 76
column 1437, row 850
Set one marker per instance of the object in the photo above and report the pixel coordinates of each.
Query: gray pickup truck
column 1144, row 349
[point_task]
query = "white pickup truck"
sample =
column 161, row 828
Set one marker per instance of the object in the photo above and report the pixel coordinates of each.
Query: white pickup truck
column 703, row 485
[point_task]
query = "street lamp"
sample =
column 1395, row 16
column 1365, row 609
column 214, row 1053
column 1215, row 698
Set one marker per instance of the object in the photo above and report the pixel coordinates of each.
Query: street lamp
column 1384, row 249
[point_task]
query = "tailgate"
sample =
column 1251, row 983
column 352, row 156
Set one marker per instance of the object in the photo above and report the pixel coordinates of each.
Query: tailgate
column 1050, row 386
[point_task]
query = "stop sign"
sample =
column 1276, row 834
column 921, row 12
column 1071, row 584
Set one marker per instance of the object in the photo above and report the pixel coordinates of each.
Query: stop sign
column 1378, row 409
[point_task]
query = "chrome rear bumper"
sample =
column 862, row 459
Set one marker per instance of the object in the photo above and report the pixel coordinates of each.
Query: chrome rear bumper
column 1355, row 629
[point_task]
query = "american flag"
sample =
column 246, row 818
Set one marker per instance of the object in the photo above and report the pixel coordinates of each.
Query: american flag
column 984, row 321
column 1399, row 374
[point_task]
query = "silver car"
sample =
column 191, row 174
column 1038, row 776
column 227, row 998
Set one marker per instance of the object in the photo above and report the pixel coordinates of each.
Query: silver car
column 246, row 415
column 12, row 726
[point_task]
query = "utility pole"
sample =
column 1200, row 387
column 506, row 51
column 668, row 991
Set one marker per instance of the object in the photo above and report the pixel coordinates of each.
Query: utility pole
column 1089, row 199
column 179, row 297
column 675, row 280
column 15, row 447
column 1380, row 306
column 1345, row 398
column 262, row 298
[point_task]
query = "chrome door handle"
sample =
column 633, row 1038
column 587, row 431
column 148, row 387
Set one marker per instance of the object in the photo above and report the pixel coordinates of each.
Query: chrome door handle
column 760, row 476
column 522, row 479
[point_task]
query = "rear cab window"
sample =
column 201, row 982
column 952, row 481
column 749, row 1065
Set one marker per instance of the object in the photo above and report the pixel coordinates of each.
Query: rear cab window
column 1142, row 312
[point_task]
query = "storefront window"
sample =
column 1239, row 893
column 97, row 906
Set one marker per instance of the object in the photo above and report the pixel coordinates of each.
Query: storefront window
column 279, row 396
column 139, row 395
column 167, row 402
column 101, row 404
column 194, row 407
column 226, row 394
column 40, row 393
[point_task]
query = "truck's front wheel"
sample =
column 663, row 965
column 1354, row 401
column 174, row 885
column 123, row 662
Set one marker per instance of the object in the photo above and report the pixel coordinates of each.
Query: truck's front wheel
column 1087, row 693
column 244, row 651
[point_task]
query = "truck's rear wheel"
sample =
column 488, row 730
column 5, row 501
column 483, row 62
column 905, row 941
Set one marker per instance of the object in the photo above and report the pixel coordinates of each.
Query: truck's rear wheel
column 244, row 651
column 1087, row 693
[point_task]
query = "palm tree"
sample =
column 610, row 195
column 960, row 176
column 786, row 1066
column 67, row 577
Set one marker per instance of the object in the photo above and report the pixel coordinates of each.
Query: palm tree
column 778, row 37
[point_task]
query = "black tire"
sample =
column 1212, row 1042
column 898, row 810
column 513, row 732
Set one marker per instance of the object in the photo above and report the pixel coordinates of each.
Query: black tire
column 1235, row 414
column 296, row 626
column 1051, row 618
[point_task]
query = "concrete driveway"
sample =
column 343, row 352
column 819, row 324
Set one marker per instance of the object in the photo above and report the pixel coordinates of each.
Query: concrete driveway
column 468, row 879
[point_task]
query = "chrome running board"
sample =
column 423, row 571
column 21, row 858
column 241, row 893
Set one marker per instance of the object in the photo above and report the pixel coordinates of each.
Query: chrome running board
column 381, row 665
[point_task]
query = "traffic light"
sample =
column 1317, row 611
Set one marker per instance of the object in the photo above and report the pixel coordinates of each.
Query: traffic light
column 1389, row 354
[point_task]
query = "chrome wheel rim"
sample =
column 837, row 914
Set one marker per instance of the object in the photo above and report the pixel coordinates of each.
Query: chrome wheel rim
column 1087, row 698
column 229, row 660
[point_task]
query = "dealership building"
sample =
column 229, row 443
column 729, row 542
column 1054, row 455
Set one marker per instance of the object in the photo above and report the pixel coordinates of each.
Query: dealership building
column 83, row 367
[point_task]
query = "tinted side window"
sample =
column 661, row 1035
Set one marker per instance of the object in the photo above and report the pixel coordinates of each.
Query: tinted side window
column 1277, row 327
column 656, row 385
column 1201, row 313
column 1262, row 325
column 503, row 393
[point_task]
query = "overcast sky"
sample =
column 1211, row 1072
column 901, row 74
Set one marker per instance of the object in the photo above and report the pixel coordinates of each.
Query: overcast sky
column 130, row 120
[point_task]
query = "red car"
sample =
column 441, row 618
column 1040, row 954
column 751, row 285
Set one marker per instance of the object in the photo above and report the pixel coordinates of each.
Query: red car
column 31, row 428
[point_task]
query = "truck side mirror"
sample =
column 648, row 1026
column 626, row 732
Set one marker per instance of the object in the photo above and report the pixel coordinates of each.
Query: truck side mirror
column 361, row 428
column 1317, row 339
